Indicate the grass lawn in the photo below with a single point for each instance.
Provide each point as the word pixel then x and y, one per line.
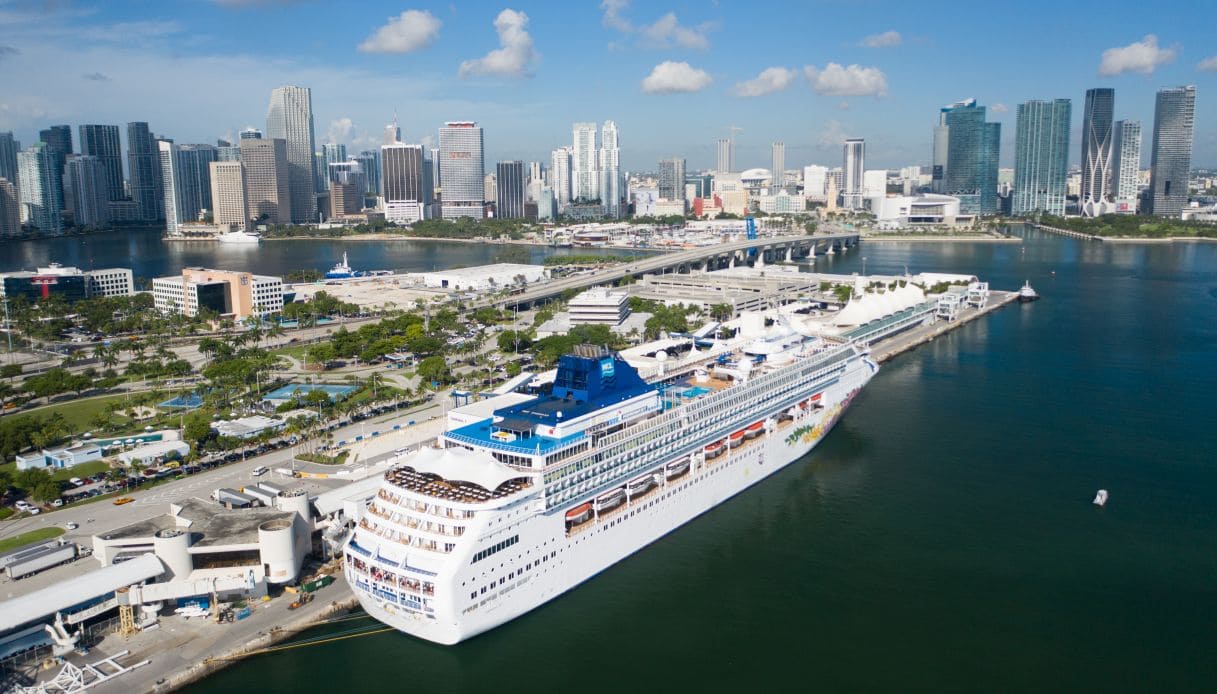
pixel 294 351
pixel 78 413
pixel 83 470
pixel 29 538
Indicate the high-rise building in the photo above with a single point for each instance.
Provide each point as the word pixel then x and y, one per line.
pixel 392 133
pixel 672 179
pixel 290 118
pixel 560 176
pixel 406 182
pixel 59 139
pixel 102 141
pixel 778 167
pixel 509 184
pixel 609 165
pixel 227 151
pixel 1171 157
pixel 1041 157
pixel 229 207
pixel 41 200
pixel 815 182
pixel 143 164
pixel 251 134
pixel 331 153
pixel 973 147
pixel 369 162
pixel 462 170
pixel 1125 165
pixel 267 194
pixel 855 165
pixel 585 182
pixel 726 156
pixel 85 191
pixel 1096 151
pixel 8 158
pixel 10 209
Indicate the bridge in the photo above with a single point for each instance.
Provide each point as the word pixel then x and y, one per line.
pixel 755 251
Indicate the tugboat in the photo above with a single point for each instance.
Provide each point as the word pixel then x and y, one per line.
pixel 342 270
pixel 1027 294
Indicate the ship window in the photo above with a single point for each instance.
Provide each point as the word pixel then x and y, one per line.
pixel 473 595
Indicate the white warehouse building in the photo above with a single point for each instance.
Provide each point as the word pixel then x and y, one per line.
pixel 904 210
pixel 485 277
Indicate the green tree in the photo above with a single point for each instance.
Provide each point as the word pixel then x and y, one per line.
pixel 29 478
pixel 197 429
pixel 434 370
pixel 45 491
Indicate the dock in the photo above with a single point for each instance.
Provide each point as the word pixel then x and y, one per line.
pixel 885 350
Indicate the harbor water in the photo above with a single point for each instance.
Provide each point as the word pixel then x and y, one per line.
pixel 942 538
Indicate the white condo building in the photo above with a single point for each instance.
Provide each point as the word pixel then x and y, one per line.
pixel 559 174
pixel 610 170
pixel 229 208
pixel 585 181
pixel 462 170
pixel 1125 165
pixel 855 164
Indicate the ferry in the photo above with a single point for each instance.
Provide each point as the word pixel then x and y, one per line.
pixel 239 237
pixel 497 517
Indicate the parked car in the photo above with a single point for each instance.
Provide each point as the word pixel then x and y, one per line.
pixel 57 503
pixel 76 482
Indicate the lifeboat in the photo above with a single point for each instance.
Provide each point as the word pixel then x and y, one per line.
pixel 610 500
pixel 754 430
pixel 579 514
pixel 642 485
pixel 715 449
pixel 735 439
pixel 676 468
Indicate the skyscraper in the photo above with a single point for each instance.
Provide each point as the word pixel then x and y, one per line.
pixel 331 153
pixel 672 179
pixel 855 165
pixel 8 158
pixel 462 170
pixel 85 190
pixel 290 118
pixel 778 167
pixel 509 184
pixel 560 178
pixel 227 151
pixel 392 133
pixel 41 200
pixel 405 179
pixel 1041 157
pixel 726 156
pixel 267 195
pixel 1125 165
pixel 1096 151
pixel 251 134
pixel 369 161
pixel 102 141
pixel 1171 157
pixel 585 182
pixel 59 139
pixel 973 147
pixel 143 163
pixel 10 209
pixel 229 207
pixel 609 164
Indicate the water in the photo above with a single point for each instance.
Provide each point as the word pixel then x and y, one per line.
pixel 148 256
pixel 941 538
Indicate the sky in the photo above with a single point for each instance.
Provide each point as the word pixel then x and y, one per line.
pixel 673 75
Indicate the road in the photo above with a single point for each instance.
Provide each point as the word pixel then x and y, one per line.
pixel 103 515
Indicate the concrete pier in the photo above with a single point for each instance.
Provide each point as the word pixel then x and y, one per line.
pixel 912 338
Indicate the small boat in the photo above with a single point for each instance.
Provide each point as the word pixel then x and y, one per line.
pixel 611 500
pixel 642 485
pixel 676 468
pixel 238 237
pixel 1100 498
pixel 735 439
pixel 342 270
pixel 754 430
pixel 715 449
pixel 579 514
pixel 1027 294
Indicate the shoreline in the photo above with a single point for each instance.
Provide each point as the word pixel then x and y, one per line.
pixel 1121 239
pixel 942 239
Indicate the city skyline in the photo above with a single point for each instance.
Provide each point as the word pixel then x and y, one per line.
pixel 440 63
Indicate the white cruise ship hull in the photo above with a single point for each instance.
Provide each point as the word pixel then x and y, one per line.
pixel 547 560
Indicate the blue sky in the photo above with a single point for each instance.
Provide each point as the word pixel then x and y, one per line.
pixel 673 75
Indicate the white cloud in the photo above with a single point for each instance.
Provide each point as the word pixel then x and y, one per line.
pixel 340 130
pixel 612 15
pixel 773 79
pixel 831 135
pixel 1142 56
pixel 855 80
pixel 515 54
pixel 412 30
pixel 670 77
pixel 999 108
pixel 1208 64
pixel 884 40
pixel 667 30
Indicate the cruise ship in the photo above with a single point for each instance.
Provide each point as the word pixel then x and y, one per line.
pixel 499 516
